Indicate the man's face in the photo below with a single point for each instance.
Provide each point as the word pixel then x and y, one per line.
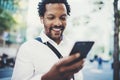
pixel 54 20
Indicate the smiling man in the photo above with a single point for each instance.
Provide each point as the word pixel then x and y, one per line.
pixel 36 61
pixel 54 21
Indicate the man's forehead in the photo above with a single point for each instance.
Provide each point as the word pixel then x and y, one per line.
pixel 56 8
pixel 55 5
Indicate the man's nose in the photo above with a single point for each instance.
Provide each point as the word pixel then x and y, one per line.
pixel 58 22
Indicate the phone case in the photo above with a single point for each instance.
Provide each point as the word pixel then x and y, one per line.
pixel 82 47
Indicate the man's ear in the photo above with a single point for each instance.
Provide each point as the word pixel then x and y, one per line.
pixel 41 19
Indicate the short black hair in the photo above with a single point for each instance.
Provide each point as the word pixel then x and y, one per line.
pixel 42 4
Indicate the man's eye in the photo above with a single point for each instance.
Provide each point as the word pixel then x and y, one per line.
pixel 63 18
pixel 50 18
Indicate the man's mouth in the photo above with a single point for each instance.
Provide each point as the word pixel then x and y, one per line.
pixel 57 28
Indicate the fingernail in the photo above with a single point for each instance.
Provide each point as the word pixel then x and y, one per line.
pixel 77 55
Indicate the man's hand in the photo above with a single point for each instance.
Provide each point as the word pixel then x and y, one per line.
pixel 63 70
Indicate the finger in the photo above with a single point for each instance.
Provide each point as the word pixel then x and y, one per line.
pixel 77 66
pixel 74 67
pixel 67 75
pixel 67 60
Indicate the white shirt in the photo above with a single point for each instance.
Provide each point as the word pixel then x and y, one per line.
pixel 35 59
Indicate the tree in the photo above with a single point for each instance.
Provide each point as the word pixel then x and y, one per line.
pixel 7 9
pixel 6 20
pixel 116 41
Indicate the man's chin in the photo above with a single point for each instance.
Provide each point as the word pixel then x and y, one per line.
pixel 56 37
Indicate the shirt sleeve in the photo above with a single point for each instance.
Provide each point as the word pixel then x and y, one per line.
pixel 36 77
pixel 79 76
pixel 24 68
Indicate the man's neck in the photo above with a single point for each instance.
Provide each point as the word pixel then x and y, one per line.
pixel 57 40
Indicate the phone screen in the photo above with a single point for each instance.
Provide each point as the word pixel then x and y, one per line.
pixel 83 47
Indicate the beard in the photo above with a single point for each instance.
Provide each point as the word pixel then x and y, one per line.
pixel 57 30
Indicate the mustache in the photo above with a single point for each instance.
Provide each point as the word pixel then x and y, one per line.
pixel 57 27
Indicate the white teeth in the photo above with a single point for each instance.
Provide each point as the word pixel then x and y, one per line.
pixel 56 29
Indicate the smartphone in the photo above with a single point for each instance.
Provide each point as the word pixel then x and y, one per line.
pixel 82 47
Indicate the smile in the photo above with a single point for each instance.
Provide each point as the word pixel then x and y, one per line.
pixel 57 29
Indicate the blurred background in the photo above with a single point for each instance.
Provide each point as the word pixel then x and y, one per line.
pixel 90 20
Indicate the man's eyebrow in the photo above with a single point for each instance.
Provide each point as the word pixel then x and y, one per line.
pixel 64 15
pixel 50 15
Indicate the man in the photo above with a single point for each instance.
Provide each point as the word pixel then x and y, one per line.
pixel 36 61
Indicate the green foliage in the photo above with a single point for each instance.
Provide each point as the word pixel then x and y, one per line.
pixel 7 9
pixel 10 5
pixel 6 20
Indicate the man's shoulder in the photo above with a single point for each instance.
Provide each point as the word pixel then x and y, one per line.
pixel 32 43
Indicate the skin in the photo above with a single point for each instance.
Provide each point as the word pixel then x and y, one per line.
pixel 56 15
